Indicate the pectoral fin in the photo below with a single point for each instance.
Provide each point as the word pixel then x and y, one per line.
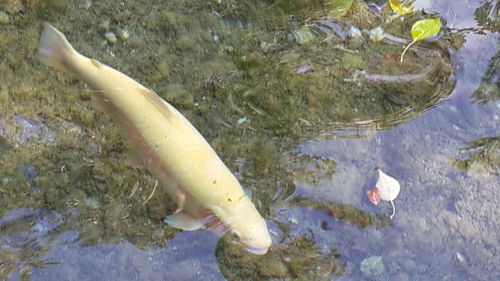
pixel 220 226
pixel 184 221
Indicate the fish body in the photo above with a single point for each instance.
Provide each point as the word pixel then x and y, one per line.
pixel 169 146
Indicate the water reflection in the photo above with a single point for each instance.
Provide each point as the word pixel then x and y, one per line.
pixel 26 236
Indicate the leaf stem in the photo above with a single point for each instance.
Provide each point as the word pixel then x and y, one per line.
pixel 406 49
pixel 393 210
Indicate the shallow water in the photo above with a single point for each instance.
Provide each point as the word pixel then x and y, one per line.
pixel 72 209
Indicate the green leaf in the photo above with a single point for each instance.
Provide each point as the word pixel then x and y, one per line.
pixel 423 29
pixel 402 7
pixel 339 8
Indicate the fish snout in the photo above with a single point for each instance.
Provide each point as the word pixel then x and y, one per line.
pixel 255 244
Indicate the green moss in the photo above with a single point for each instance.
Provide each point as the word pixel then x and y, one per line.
pixel 343 212
pixel 484 19
pixel 51 10
pixel 299 259
pixel 484 156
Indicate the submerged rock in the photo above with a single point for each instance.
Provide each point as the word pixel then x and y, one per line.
pixel 26 235
pixel 18 131
pixel 372 266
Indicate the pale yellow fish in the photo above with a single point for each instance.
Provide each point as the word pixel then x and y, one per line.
pixel 173 151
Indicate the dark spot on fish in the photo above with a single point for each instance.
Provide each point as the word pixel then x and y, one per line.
pixel 214 182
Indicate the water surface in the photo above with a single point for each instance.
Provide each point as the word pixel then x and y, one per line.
pixel 271 87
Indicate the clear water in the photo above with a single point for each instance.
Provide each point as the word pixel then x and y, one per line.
pixel 71 212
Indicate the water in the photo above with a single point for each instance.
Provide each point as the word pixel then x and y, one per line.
pixel 286 117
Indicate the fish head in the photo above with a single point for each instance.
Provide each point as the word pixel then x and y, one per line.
pixel 247 226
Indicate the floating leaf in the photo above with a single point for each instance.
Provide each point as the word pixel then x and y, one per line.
pixel 423 29
pixel 402 7
pixel 338 8
pixel 387 188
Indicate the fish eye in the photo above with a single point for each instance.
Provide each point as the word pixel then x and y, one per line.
pixel 236 234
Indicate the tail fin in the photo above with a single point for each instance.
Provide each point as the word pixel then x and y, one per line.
pixel 54 49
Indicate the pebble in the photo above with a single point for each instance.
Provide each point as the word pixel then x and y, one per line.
pixel 111 37
pixel 88 4
pixel 372 267
pixel 4 18
pixel 104 26
pixel 18 131
pixel 123 33
pixel 377 34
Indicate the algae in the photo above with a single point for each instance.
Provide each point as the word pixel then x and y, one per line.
pixel 298 259
pixel 343 212
pixel 483 156
pixel 234 62
pixel 489 90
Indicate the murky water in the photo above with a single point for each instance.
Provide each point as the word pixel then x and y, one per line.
pixel 300 110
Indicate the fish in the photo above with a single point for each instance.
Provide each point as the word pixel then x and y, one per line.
pixel 207 194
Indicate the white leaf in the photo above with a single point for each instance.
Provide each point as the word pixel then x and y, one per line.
pixel 388 187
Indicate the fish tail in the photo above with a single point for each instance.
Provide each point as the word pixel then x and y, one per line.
pixel 54 49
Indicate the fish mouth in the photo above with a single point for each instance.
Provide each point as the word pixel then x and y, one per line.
pixel 257 251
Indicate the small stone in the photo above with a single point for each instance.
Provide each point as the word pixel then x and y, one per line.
pixel 377 34
pixel 241 120
pixel 460 257
pixel 88 4
pixel 111 37
pixel 372 266
pixel 104 26
pixel 355 33
pixel 4 18
pixel 18 131
pixel 123 33
pixel 304 68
